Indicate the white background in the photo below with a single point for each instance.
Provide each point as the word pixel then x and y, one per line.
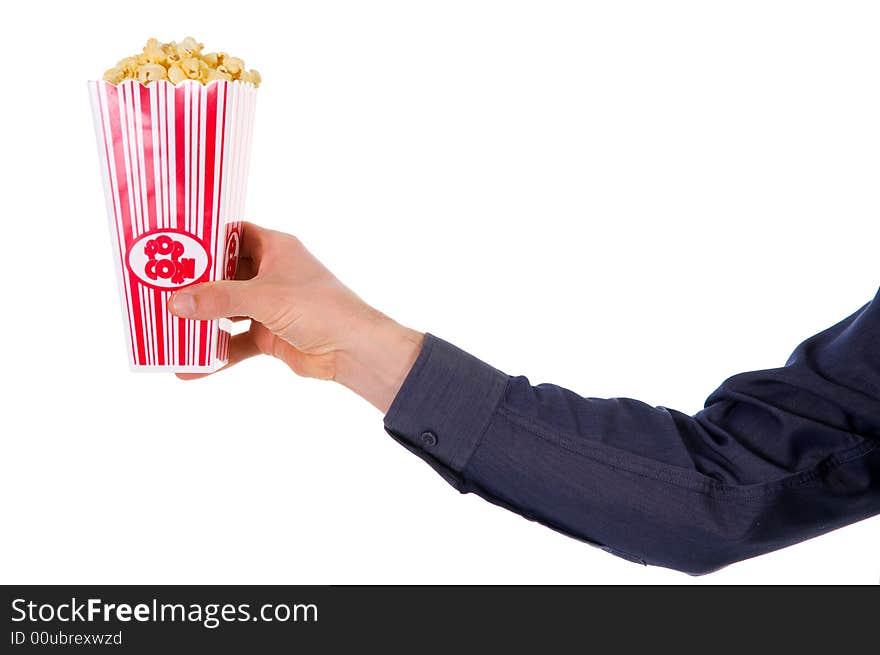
pixel 626 198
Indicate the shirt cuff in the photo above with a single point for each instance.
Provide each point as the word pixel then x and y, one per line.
pixel 445 405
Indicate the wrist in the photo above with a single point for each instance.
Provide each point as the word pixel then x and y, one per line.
pixel 376 360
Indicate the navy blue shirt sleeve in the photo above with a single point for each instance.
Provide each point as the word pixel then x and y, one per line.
pixel 775 457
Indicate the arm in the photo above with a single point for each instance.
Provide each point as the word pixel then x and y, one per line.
pixel 776 456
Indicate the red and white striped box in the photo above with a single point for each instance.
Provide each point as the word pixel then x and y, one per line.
pixel 174 161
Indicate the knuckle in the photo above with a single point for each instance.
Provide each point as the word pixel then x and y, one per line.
pixel 218 299
pixel 284 242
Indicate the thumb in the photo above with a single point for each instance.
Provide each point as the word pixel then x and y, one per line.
pixel 218 300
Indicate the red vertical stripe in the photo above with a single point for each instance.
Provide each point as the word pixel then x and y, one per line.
pixel 147 137
pixel 147 120
pixel 180 183
pixel 210 222
pixel 179 146
pixel 219 259
pixel 193 144
pixel 166 174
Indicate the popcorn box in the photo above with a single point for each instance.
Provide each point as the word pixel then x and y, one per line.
pixel 174 161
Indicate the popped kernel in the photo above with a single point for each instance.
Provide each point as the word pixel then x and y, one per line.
pixel 179 61
pixel 193 68
pixel 151 72
pixel 114 75
pixel 175 74
pixel 129 65
pixel 252 76
pixel 154 52
pixel 214 74
pixel 233 65
pixel 191 44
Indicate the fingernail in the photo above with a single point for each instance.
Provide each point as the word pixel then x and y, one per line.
pixel 183 304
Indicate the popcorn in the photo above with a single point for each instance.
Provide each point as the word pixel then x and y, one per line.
pixel 217 75
pixel 114 75
pixel 150 73
pixel 252 76
pixel 232 65
pixel 175 74
pixel 181 61
pixel 129 66
pixel 189 47
pixel 192 68
pixel 154 52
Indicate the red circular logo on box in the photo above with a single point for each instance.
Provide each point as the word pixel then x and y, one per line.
pixel 233 246
pixel 168 259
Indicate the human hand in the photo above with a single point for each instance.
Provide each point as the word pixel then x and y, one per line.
pixel 303 315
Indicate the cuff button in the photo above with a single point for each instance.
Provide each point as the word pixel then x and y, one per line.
pixel 429 439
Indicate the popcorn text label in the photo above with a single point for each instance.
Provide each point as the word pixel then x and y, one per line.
pixel 168 259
